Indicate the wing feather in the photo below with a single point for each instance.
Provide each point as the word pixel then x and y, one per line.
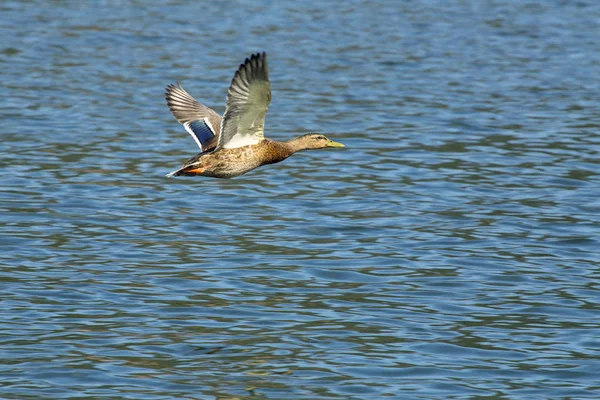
pixel 248 99
pixel 198 120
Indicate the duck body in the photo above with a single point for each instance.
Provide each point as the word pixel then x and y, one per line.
pixel 235 144
pixel 229 163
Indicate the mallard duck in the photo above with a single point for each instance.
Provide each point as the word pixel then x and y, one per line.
pixel 235 144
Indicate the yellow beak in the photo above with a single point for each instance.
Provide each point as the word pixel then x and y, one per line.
pixel 331 143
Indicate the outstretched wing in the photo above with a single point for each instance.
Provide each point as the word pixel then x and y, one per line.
pixel 248 98
pixel 200 121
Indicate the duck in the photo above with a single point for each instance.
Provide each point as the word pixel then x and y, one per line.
pixel 235 144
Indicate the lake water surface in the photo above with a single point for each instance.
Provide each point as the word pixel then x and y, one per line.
pixel 450 251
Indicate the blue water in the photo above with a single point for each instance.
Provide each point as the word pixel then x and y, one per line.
pixel 449 251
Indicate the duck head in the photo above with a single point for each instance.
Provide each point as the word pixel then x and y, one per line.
pixel 313 141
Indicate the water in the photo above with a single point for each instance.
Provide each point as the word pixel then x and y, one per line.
pixel 450 251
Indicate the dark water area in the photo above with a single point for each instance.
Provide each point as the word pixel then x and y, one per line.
pixel 450 251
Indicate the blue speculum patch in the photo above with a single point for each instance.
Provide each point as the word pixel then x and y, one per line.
pixel 202 131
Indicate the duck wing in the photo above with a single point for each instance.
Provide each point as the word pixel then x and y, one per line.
pixel 248 98
pixel 200 121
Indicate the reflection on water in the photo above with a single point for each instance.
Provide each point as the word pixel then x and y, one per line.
pixel 448 251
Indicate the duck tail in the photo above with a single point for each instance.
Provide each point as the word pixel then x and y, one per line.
pixel 177 172
pixel 187 170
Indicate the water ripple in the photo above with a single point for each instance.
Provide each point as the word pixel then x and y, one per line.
pixel 448 251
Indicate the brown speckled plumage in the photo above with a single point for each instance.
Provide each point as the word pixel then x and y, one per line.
pixel 236 144
pixel 229 163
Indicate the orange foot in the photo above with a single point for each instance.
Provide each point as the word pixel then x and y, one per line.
pixel 196 171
